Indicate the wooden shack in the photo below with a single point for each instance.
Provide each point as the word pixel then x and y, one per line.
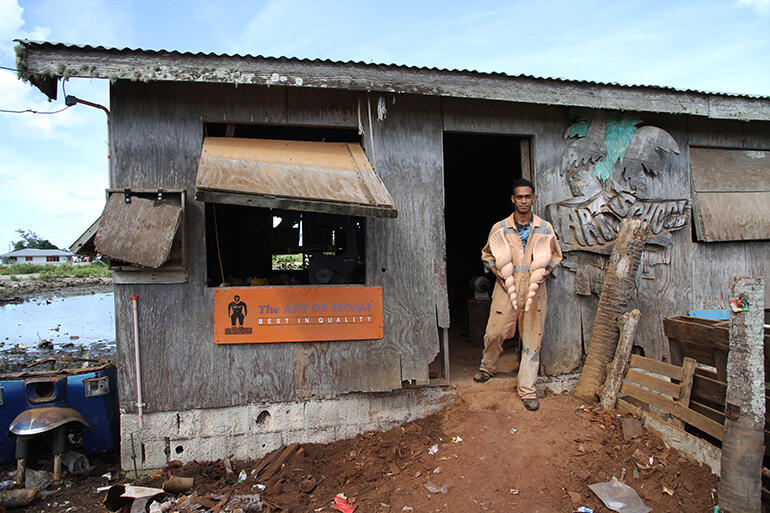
pixel 432 154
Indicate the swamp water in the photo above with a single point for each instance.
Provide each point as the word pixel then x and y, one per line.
pixel 57 325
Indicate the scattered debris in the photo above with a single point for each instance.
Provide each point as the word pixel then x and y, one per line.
pixel 178 484
pixel 632 428
pixel 456 439
pixel 17 498
pixel 76 463
pixel 307 484
pixel 433 449
pixel 619 497
pixel 342 504
pixel 435 489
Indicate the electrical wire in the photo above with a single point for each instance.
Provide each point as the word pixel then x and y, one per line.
pixel 34 111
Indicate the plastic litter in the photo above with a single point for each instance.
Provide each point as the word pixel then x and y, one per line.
pixel 342 504
pixel 435 489
pixel 6 484
pixel 513 431
pixel 37 479
pixel 583 509
pixel 76 463
pixel 260 487
pixel 433 449
pixel 242 476
pixel 456 439
pixel 619 497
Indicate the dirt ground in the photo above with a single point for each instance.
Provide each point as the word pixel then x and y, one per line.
pixel 492 456
pixel 29 286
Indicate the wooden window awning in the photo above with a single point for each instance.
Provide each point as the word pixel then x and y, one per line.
pixel 334 178
pixel 731 192
pixel 141 232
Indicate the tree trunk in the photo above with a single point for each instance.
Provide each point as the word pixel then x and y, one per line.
pixel 740 485
pixel 616 370
pixel 616 292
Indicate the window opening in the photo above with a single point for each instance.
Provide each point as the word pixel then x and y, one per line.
pixel 252 246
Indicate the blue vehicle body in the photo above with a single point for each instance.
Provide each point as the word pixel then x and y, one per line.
pixel 90 391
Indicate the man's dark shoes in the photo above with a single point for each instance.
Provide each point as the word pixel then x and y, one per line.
pixel 481 376
pixel 531 404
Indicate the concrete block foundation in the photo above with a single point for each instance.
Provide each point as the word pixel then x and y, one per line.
pixel 253 430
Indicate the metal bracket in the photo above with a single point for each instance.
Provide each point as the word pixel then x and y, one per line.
pixel 127 195
pixel 160 194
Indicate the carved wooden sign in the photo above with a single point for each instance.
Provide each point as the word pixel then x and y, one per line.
pixel 608 167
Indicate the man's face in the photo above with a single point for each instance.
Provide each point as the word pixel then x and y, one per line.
pixel 523 199
pixel 237 299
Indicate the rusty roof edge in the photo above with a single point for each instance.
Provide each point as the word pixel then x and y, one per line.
pixel 65 61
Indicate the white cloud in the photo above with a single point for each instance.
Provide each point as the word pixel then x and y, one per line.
pixel 758 6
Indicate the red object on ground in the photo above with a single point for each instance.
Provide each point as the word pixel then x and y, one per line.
pixel 344 505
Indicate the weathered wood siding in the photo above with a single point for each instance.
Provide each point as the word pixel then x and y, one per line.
pixel 158 131
pixel 681 277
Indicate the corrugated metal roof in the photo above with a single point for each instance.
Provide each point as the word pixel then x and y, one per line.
pixel 384 66
pixel 36 252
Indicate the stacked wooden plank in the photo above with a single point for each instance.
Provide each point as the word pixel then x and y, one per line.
pixel 666 388
pixel 707 341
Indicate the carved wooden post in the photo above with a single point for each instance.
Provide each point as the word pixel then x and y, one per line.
pixel 616 291
pixel 616 370
pixel 740 485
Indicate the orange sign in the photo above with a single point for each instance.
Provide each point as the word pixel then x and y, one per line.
pixel 297 314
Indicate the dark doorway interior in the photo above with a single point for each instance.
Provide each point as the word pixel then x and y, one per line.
pixel 478 173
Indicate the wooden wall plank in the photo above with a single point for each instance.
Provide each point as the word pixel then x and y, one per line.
pixel 406 255
pixel 664 387
pixel 158 132
pixel 721 170
pixel 658 367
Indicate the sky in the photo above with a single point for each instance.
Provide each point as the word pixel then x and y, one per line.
pixel 53 167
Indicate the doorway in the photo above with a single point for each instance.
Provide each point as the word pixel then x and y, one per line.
pixel 479 170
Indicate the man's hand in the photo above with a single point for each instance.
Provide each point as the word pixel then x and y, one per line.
pixel 548 271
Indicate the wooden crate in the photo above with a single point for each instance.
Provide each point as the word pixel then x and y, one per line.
pixel 707 341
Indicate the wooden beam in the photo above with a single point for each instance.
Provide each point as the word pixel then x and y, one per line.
pixel 144 65
pixel 617 367
pixel 740 485
pixel 655 383
pixel 688 369
pixel 667 405
pixel 253 200
pixel 658 367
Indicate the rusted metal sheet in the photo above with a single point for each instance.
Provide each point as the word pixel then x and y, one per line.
pixel 720 170
pixel 297 173
pixel 40 420
pixel 140 232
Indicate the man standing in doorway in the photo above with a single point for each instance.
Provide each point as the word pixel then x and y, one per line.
pixel 521 230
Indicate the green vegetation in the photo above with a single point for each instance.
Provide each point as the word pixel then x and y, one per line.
pixel 287 262
pixel 57 271
pixel 31 240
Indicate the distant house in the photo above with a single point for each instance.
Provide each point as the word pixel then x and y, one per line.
pixel 37 256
